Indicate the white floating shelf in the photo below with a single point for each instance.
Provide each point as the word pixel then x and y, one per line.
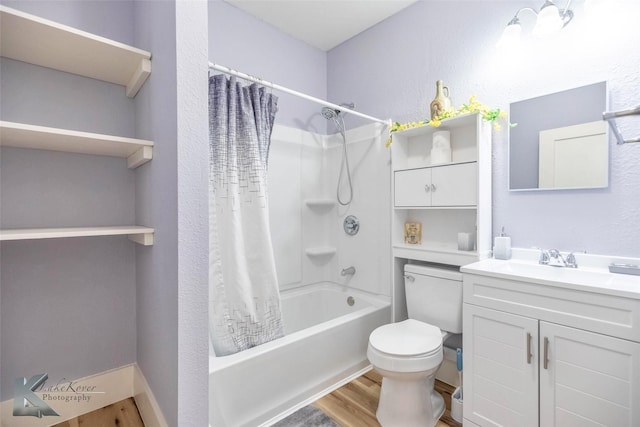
pixel 320 251
pixel 38 41
pixel 320 203
pixel 141 235
pixel 136 151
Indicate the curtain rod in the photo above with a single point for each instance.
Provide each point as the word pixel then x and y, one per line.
pixel 274 86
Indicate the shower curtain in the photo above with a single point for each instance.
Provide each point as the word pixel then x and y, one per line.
pixel 245 301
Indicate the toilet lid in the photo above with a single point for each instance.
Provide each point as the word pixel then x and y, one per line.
pixel 407 338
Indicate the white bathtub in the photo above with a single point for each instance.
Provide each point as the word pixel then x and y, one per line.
pixel 326 343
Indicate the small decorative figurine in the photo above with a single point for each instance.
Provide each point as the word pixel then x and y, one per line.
pixel 413 233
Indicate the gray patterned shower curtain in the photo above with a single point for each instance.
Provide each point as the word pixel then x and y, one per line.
pixel 244 297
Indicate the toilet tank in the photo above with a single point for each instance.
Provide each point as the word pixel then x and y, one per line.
pixel 434 296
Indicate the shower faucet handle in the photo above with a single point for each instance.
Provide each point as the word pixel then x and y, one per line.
pixel 348 271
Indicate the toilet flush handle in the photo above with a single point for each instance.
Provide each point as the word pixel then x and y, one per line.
pixel 409 278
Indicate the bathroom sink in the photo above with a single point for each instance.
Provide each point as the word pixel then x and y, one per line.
pixel 578 276
pixel 592 273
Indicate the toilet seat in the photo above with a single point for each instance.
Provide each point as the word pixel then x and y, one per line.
pixel 407 346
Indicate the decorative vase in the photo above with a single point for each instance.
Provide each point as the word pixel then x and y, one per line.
pixel 441 102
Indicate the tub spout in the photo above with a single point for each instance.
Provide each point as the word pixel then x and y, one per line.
pixel 349 271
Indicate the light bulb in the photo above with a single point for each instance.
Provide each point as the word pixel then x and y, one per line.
pixel 510 38
pixel 549 21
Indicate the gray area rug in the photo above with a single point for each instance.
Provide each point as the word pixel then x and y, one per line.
pixel 307 417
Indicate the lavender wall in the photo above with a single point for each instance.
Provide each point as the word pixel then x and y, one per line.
pixel 171 196
pixel 157 207
pixel 242 42
pixel 391 71
pixel 193 213
pixel 68 305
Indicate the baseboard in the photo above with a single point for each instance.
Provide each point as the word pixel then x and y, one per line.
pixel 106 388
pixel 145 400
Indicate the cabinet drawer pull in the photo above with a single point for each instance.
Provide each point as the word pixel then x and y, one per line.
pixel 546 352
pixel 433 187
pixel 529 355
pixel 427 188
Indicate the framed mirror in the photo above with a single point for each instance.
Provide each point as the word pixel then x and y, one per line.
pixel 560 141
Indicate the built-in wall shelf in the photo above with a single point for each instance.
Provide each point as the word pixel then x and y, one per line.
pixel 20 135
pixel 38 41
pixel 320 251
pixel 138 234
pixel 320 203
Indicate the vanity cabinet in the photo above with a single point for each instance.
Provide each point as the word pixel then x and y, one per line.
pixel 530 360
pixel 444 186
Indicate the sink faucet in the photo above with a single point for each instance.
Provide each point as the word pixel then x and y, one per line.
pixel 348 271
pixel 554 258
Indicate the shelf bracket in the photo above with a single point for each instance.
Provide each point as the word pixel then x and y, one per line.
pixel 139 77
pixel 140 157
pixel 144 239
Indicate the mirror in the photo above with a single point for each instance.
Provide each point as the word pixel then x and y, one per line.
pixel 560 141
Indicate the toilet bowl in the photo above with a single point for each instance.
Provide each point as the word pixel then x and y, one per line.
pixel 408 354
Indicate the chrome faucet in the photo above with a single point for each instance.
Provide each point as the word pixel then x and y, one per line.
pixel 348 271
pixel 554 258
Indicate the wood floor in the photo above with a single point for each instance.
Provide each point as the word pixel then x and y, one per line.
pixel 355 404
pixel 352 405
pixel 120 414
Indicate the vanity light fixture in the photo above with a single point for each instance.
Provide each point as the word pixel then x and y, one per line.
pixel 550 20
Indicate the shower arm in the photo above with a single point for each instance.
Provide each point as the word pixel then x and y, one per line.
pixel 274 86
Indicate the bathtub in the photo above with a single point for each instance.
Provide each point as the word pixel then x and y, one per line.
pixel 325 345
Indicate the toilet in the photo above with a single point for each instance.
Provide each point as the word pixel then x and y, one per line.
pixel 407 354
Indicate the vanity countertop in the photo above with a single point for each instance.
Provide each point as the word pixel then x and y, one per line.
pixel 594 276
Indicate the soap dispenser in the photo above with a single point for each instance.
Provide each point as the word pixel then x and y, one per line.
pixel 502 246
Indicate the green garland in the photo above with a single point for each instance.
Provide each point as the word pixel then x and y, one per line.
pixel 474 106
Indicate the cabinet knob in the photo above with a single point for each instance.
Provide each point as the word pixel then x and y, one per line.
pixel 433 187
pixel 427 188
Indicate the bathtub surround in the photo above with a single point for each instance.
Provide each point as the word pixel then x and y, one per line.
pixel 306 222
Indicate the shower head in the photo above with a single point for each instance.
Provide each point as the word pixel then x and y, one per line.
pixel 330 113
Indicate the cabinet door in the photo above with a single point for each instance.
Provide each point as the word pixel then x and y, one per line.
pixel 589 380
pixel 455 185
pixel 500 368
pixel 413 187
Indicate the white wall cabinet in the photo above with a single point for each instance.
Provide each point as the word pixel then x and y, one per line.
pixel 527 370
pixel 439 186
